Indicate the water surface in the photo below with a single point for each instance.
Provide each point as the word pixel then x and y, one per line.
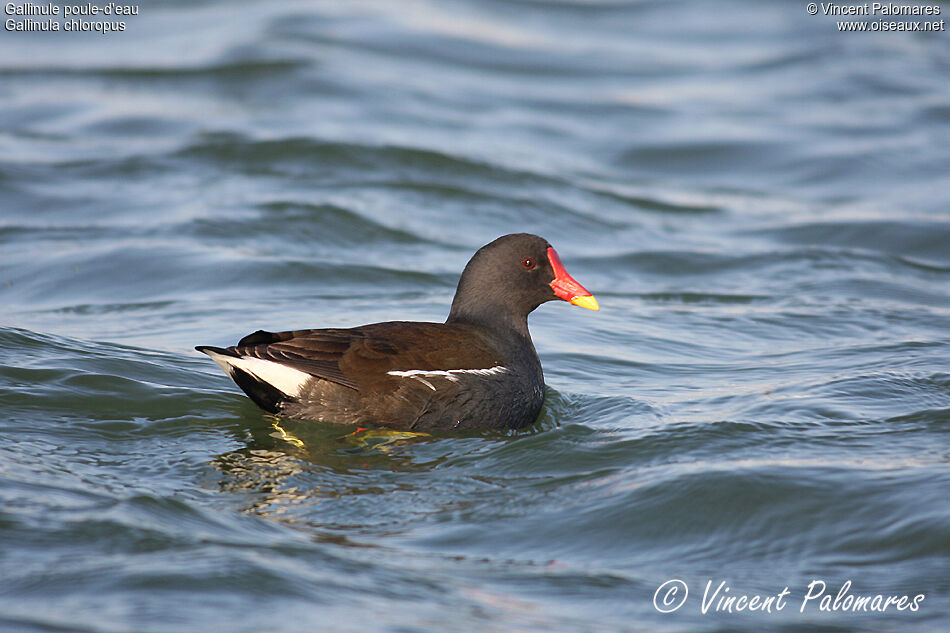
pixel 759 203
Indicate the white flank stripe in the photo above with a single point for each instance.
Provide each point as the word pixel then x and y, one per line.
pixel 449 374
pixel 286 379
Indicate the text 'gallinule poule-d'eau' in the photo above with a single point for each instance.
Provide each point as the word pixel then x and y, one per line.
pixel 479 369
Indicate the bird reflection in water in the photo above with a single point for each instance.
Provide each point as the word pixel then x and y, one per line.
pixel 287 467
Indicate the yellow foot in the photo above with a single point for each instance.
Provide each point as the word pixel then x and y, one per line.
pixel 382 439
pixel 286 435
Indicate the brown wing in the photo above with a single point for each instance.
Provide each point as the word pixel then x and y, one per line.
pixel 360 357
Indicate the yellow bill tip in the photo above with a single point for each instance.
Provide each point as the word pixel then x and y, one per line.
pixel 587 301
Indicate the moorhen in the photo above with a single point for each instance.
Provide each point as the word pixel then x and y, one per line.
pixel 477 370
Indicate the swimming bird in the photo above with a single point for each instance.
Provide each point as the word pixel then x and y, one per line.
pixel 479 369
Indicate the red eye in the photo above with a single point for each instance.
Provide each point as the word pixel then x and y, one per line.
pixel 528 263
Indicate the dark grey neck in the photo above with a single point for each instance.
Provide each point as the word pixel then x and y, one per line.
pixel 494 318
pixel 510 335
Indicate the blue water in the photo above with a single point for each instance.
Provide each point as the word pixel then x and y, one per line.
pixel 760 203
